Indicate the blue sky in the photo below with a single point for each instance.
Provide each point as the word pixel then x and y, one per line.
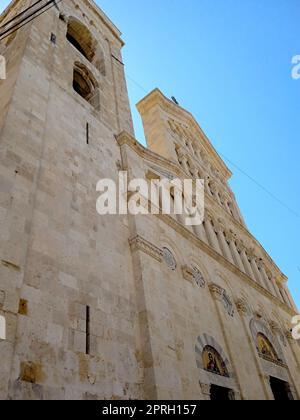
pixel 229 63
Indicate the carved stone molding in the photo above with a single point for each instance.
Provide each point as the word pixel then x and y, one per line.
pixel 221 295
pixel 275 328
pixel 169 259
pixel 193 275
pixel 205 389
pixel 183 231
pixel 242 307
pixel 289 336
pixel 216 291
pixel 140 244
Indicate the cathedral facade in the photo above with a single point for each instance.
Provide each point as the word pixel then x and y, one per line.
pixel 122 307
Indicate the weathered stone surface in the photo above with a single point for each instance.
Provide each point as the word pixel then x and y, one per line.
pixel 94 307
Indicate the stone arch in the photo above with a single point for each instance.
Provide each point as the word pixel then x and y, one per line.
pixel 169 244
pixel 194 261
pixel 205 341
pixel 243 302
pixel 265 347
pixel 224 290
pixel 82 39
pixel 257 327
pixel 85 84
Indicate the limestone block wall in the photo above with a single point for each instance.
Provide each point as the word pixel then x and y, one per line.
pixel 57 256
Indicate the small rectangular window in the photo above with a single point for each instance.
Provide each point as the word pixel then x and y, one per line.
pixel 53 38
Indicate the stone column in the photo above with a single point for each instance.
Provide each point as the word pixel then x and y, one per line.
pixel 226 205
pixel 254 267
pixel 276 288
pixel 234 251
pixel 200 232
pixel 185 165
pixel 273 284
pixel 205 388
pixel 215 192
pixel 194 170
pixel 264 274
pixel 211 234
pixel 223 244
pixel 245 260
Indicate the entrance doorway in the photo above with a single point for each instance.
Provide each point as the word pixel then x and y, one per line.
pixel 281 390
pixel 218 393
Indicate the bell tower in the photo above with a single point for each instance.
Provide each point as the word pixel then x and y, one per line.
pixel 62 103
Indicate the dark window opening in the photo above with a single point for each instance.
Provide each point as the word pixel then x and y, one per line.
pixel 81 38
pixel 281 390
pixel 81 86
pixel 86 86
pixel 218 393
pixel 77 45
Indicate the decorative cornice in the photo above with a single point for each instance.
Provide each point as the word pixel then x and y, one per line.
pixel 141 244
pixel 186 233
pixel 125 138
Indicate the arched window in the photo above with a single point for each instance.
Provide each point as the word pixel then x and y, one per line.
pixel 85 85
pixel 81 38
pixel 213 362
pixel 2 328
pixel 265 348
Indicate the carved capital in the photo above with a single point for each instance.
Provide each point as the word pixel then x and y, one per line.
pixel 289 336
pixel 251 253
pixel 216 291
pixel 275 328
pixel 260 263
pixel 243 247
pixel 181 153
pixel 243 307
pixel 221 295
pixel 231 236
pixel 269 273
pixel 205 388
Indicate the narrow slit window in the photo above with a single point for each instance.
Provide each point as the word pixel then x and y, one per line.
pixel 87 133
pixel 88 332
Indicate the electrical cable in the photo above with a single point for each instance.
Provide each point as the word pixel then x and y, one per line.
pixel 34 17
pixel 8 31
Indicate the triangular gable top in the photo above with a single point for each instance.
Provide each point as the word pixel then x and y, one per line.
pixel 156 97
